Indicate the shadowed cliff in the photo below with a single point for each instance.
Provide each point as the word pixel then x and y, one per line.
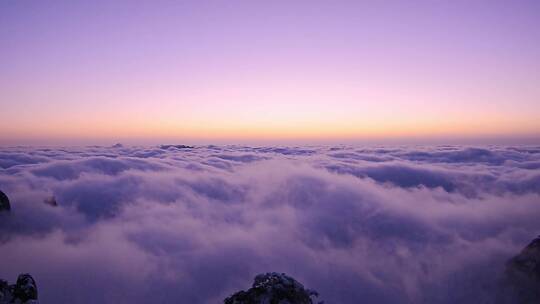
pixel 522 276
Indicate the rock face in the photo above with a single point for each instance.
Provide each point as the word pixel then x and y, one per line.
pixel 4 202
pixel 22 292
pixel 273 288
pixel 51 201
pixel 523 274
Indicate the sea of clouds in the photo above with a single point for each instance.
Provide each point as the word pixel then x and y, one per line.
pixel 402 224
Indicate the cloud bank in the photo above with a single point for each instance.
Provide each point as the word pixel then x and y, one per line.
pixel 408 224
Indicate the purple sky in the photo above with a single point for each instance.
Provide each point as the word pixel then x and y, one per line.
pixel 240 71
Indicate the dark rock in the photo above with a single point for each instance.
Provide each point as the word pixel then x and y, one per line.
pixel 527 262
pixel 25 288
pixel 273 288
pixel 168 147
pixel 522 275
pixel 51 201
pixel 4 202
pixel 5 292
pixel 24 291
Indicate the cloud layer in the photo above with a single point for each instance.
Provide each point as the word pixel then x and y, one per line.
pixel 193 225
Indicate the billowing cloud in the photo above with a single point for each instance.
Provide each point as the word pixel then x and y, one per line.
pixel 194 225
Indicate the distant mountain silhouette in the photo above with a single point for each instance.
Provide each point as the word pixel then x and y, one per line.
pixel 168 147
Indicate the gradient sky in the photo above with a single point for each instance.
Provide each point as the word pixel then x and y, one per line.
pixel 240 71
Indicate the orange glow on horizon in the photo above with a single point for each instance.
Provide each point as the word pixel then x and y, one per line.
pixel 285 130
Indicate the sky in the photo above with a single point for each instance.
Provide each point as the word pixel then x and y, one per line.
pixel 254 71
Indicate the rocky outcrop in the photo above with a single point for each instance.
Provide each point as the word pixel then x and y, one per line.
pixel 522 275
pixel 22 292
pixel 4 202
pixel 51 201
pixel 273 288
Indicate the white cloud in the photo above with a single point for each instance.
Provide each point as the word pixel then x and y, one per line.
pixel 385 225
